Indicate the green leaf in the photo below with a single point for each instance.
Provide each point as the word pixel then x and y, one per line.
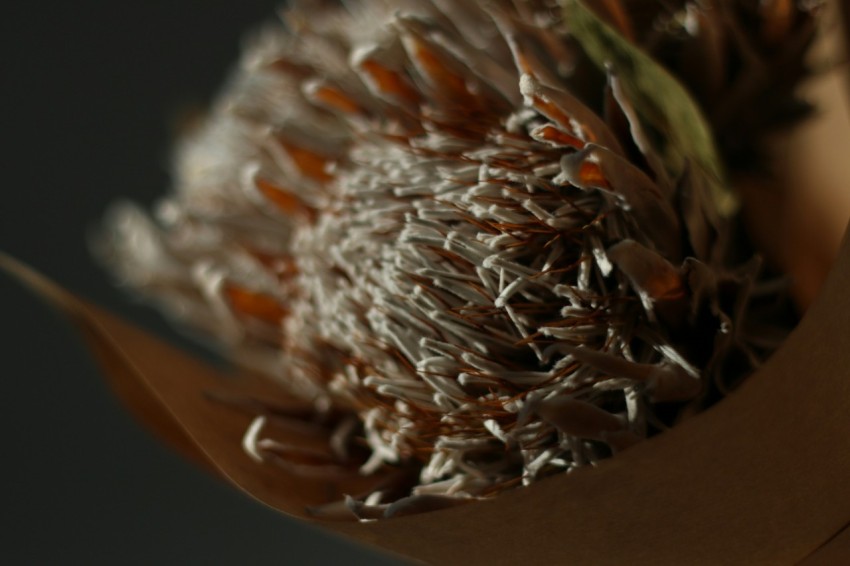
pixel 661 102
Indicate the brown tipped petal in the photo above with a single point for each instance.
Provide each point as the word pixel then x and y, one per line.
pixel 639 194
pixel 664 381
pixel 569 113
pixel 651 275
pixel 578 418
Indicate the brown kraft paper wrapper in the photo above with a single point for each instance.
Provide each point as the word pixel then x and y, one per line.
pixel 759 478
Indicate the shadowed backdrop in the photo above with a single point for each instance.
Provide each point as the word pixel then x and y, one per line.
pixel 91 95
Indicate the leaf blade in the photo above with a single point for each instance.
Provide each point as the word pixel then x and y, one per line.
pixel 662 103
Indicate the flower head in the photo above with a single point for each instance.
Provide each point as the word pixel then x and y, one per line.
pixel 443 219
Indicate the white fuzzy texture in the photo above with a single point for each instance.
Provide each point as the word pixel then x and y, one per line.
pixel 444 271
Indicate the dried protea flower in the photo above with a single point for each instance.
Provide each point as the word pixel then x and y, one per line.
pixel 470 235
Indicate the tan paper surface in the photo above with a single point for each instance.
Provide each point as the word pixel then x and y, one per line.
pixel 760 478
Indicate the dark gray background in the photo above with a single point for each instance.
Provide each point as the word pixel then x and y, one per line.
pixel 88 91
